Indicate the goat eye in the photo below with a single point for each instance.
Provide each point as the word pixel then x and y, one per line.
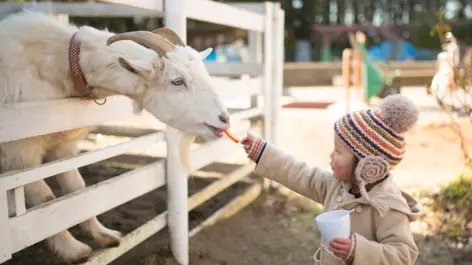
pixel 178 82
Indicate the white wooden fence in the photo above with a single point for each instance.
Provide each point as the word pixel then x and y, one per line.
pixel 264 22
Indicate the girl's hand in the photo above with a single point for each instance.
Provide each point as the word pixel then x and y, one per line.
pixel 247 142
pixel 253 146
pixel 340 247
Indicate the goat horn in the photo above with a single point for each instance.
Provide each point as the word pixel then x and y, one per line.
pixel 145 38
pixel 170 35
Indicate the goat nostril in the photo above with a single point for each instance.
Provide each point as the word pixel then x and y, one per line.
pixel 224 118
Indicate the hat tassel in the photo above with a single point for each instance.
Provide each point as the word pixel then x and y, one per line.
pixel 380 206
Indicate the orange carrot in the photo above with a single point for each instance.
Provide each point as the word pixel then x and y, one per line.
pixel 231 136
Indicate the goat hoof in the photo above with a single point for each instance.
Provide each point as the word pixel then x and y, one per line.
pixel 68 248
pixel 104 236
pixel 109 238
pixel 80 260
pixel 77 254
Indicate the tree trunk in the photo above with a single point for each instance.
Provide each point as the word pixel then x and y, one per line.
pixel 411 11
pixel 326 12
pixel 461 15
pixel 355 9
pixel 341 5
pixel 369 11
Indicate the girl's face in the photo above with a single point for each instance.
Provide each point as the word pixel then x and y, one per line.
pixel 342 161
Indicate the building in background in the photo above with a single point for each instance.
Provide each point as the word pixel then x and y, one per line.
pixel 315 30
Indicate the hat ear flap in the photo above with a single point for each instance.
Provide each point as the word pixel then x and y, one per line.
pixel 371 169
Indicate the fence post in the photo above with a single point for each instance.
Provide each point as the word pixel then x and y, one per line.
pixel 255 56
pixel 177 198
pixel 268 68
pixel 276 74
pixel 278 60
pixel 5 246
pixel 177 177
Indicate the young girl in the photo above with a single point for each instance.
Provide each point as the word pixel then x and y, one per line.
pixel 367 145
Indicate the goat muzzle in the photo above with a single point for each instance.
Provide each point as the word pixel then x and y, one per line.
pixel 147 39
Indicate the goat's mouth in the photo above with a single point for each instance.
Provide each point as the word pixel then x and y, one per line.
pixel 216 131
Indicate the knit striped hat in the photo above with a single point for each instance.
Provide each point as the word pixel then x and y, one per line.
pixel 379 132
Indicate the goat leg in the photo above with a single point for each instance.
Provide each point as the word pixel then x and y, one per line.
pixel 72 181
pixel 64 244
pixel 23 154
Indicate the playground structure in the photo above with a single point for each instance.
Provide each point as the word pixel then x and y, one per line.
pixel 265 25
pixel 370 75
pixel 367 77
pixel 351 61
pixel 353 64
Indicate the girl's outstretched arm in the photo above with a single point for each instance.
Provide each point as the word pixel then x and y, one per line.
pixel 310 181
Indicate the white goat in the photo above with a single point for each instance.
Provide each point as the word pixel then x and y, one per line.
pixel 155 69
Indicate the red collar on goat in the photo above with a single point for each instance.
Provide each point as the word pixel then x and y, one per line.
pixel 74 66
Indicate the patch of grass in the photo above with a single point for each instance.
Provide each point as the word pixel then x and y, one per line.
pixel 451 209
pixel 309 215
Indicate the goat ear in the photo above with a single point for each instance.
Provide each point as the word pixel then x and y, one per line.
pixel 204 54
pixel 136 67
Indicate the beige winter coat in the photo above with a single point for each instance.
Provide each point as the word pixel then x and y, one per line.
pixel 382 241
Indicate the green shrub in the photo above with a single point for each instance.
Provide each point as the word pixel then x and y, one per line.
pixel 456 196
pixel 452 209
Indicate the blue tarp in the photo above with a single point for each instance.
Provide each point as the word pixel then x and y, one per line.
pixel 406 51
pixel 212 56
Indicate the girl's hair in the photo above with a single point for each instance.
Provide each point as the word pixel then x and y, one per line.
pixel 354 166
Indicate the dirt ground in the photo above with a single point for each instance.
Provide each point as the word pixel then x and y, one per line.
pixel 278 227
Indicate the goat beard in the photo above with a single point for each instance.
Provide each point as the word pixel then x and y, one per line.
pixel 179 148
pixel 185 143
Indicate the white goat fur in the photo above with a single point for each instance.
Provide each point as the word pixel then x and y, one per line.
pixel 34 67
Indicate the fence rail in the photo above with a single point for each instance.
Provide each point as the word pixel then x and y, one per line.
pixel 264 23
pixel 220 13
pixel 86 9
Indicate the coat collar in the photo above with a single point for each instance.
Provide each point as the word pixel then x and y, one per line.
pixel 380 187
pixel 386 191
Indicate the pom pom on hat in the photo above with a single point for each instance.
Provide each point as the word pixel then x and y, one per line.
pixel 399 113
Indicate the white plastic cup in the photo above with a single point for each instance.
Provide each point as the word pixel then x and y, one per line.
pixel 334 224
